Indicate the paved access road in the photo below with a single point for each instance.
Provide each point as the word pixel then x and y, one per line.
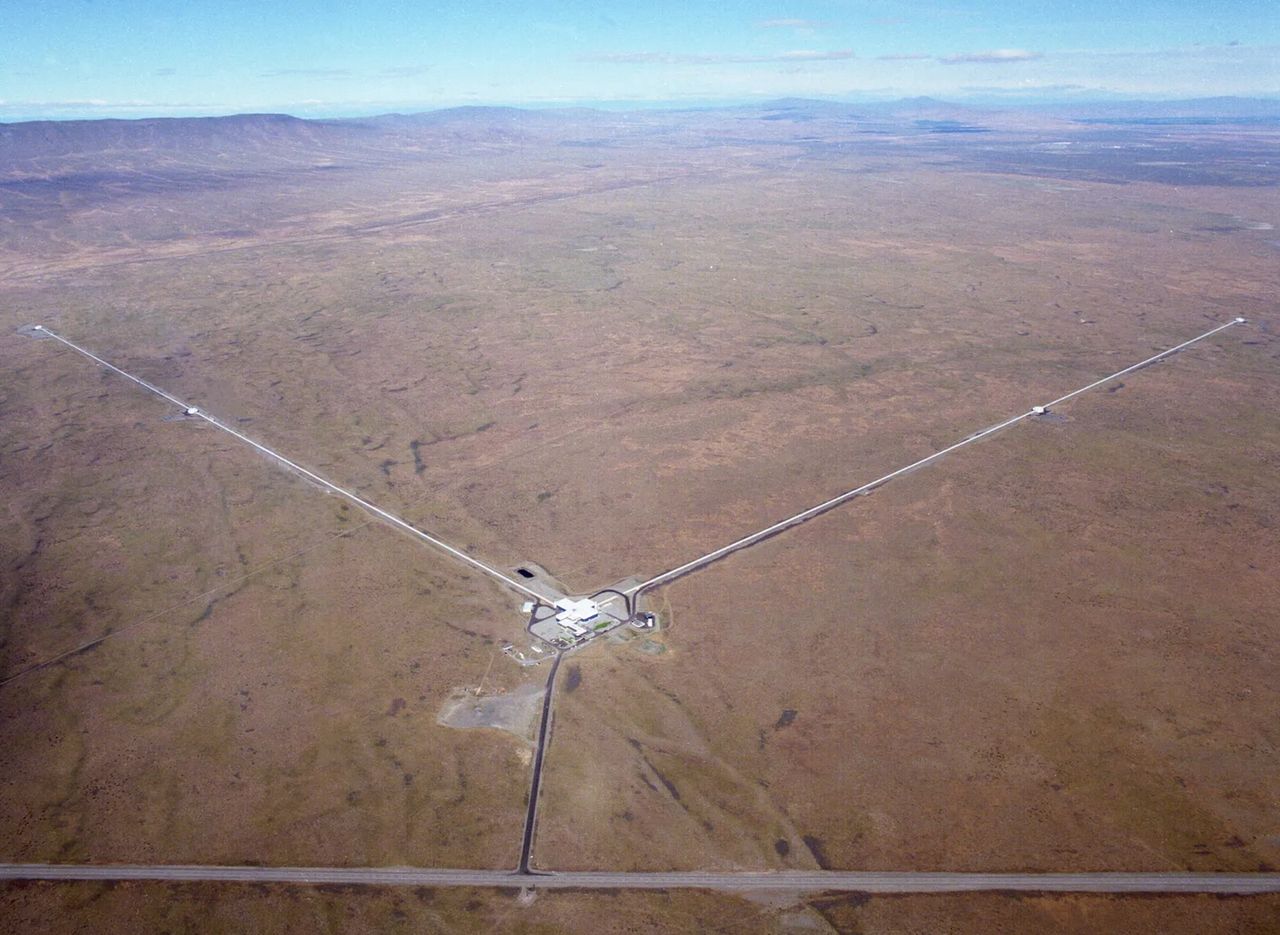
pixel 535 782
pixel 790 881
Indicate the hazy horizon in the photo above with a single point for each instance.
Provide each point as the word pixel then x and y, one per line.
pixel 69 59
pixel 1083 106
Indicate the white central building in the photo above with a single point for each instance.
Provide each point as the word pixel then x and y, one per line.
pixel 575 614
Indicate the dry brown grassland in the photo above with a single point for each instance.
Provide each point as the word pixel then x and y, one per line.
pixel 1051 652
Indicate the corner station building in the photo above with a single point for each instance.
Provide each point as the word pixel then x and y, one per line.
pixel 575 614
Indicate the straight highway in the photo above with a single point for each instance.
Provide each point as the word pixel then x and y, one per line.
pixel 794 881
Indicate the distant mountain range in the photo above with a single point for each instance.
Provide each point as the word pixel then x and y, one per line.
pixel 1209 107
pixel 104 130
pixel 116 188
pixel 263 142
pixel 45 138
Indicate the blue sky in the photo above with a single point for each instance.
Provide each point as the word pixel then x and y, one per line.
pixel 64 58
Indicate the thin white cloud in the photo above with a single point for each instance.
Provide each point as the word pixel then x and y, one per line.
pixel 1230 51
pixel 904 57
pixel 98 107
pixel 1023 88
pixel 308 73
pixel 808 24
pixel 676 58
pixel 991 57
pixel 405 71
pixel 807 55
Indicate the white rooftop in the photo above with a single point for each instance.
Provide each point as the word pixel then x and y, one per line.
pixel 571 611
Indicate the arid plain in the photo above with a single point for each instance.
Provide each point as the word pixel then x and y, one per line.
pixel 608 344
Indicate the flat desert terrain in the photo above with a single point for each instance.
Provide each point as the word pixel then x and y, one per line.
pixel 608 344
